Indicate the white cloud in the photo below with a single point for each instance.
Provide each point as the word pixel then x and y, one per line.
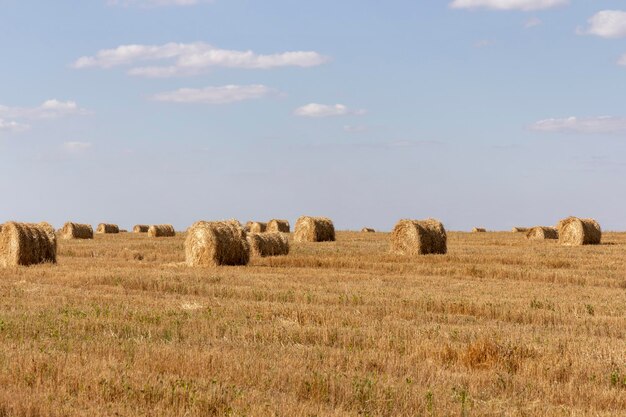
pixel 622 61
pixel 156 3
pixel 49 109
pixel 532 22
pixel 354 129
pixel 76 147
pixel 484 43
pixel 525 5
pixel 323 110
pixel 192 58
pixel 12 126
pixel 607 24
pixel 591 125
pixel 215 95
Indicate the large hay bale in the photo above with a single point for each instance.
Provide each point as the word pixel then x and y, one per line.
pixel 216 243
pixel 141 228
pixel 479 230
pixel 107 228
pixel 314 229
pixel 419 237
pixel 368 230
pixel 520 229
pixel 161 230
pixel 542 233
pixel 268 244
pixel 76 231
pixel 276 225
pixel 27 244
pixel 575 232
pixel 255 227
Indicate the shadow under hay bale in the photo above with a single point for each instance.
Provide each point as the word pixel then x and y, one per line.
pixel 27 244
pixel 255 227
pixel 107 228
pixel 276 225
pixel 419 237
pixel 268 244
pixel 141 228
pixel 216 243
pixel 479 230
pixel 542 233
pixel 520 229
pixel 367 230
pixel 76 231
pixel 314 229
pixel 577 232
pixel 161 230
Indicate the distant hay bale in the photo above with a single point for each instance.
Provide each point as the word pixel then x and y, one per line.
pixel 268 244
pixel 575 232
pixel 520 229
pixel 314 229
pixel 76 231
pixel 161 230
pixel 27 244
pixel 367 230
pixel 140 228
pixel 255 227
pixel 276 225
pixel 107 228
pixel 479 230
pixel 216 243
pixel 542 233
pixel 419 237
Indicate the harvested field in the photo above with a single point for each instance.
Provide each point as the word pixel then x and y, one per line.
pixel 500 326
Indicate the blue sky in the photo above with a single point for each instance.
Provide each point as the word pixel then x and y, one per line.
pixel 488 113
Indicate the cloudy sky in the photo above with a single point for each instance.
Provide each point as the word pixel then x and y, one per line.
pixel 486 113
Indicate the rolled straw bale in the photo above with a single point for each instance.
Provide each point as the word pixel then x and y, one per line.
pixel 479 230
pixel 276 225
pixel 27 244
pixel 268 244
pixel 575 232
pixel 520 229
pixel 368 230
pixel 419 237
pixel 161 230
pixel 542 233
pixel 314 229
pixel 140 228
pixel 107 228
pixel 255 227
pixel 76 231
pixel 216 243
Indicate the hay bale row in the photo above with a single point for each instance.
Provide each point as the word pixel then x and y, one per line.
pixel 268 244
pixel 368 230
pixel 107 228
pixel 255 227
pixel 276 225
pixel 161 230
pixel 216 243
pixel 141 228
pixel 76 231
pixel 577 232
pixel 419 237
pixel 27 244
pixel 314 229
pixel 520 230
pixel 479 230
pixel 542 233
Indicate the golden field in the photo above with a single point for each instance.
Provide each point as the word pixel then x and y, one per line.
pixel 500 326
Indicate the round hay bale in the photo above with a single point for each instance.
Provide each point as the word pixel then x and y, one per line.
pixel 255 227
pixel 276 225
pixel 268 244
pixel 140 228
pixel 368 230
pixel 520 230
pixel 479 230
pixel 576 232
pixel 419 237
pixel 216 243
pixel 107 228
pixel 161 230
pixel 27 244
pixel 314 229
pixel 542 233
pixel 76 231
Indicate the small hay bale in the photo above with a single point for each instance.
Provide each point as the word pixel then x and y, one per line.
pixel 268 244
pixel 27 244
pixel 140 228
pixel 314 229
pixel 368 230
pixel 419 237
pixel 479 230
pixel 255 227
pixel 520 229
pixel 542 233
pixel 76 231
pixel 161 230
pixel 576 232
pixel 107 228
pixel 276 225
pixel 216 243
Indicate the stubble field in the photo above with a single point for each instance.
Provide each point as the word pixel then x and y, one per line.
pixel 498 327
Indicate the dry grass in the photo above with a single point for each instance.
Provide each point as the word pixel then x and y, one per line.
pixel 368 230
pixel 500 326
pixel 520 229
pixel 479 230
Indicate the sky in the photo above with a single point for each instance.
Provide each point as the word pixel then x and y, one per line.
pixel 491 113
